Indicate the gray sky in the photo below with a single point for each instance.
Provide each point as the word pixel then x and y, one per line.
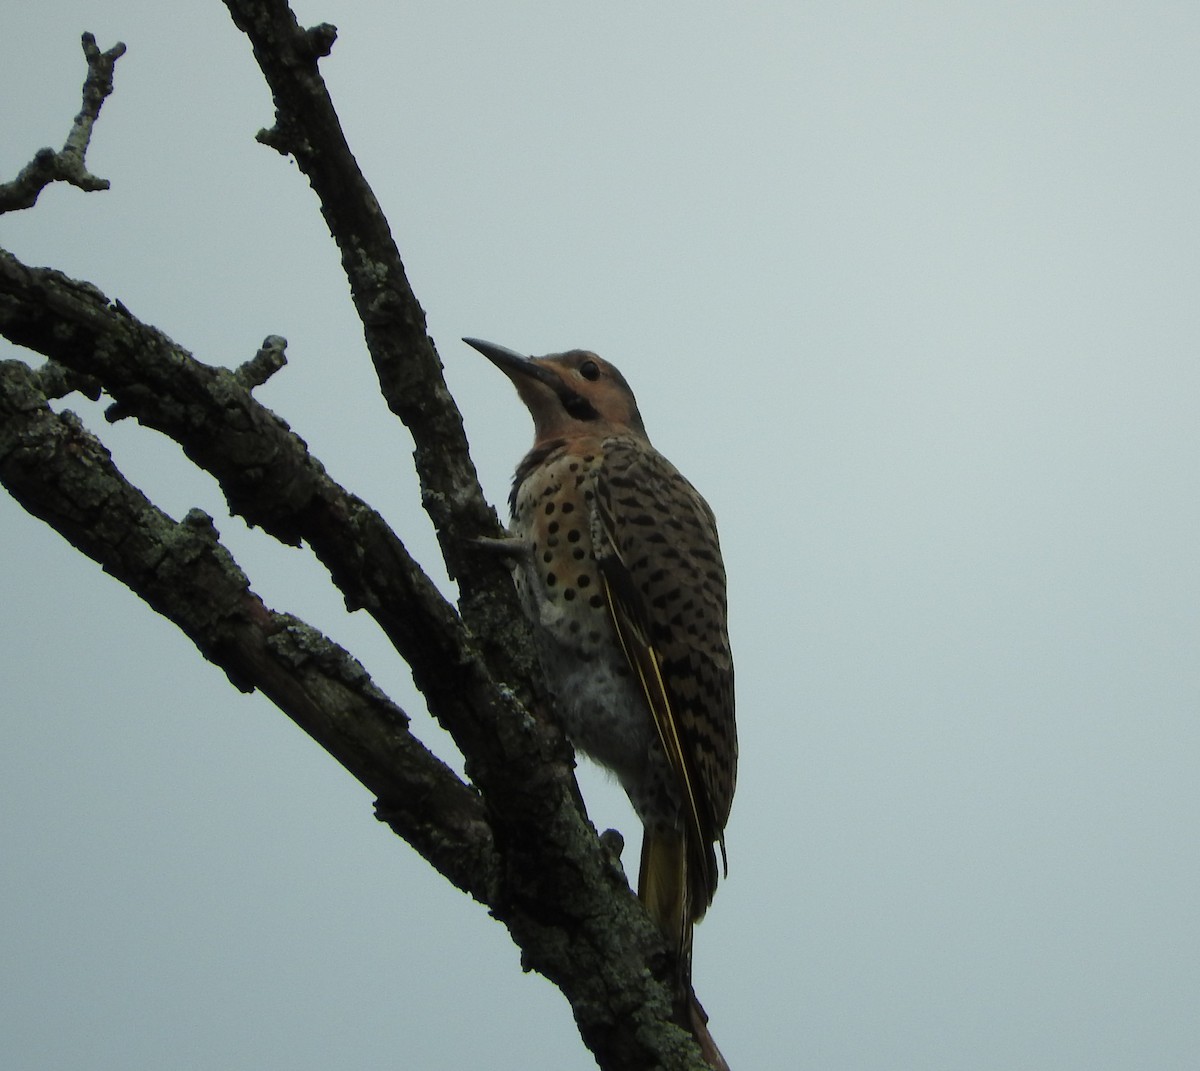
pixel 910 293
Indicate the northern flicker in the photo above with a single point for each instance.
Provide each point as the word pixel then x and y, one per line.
pixel 620 571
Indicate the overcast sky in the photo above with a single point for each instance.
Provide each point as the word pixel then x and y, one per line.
pixel 909 291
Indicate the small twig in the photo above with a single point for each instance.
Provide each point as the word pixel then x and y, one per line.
pixel 269 359
pixel 68 164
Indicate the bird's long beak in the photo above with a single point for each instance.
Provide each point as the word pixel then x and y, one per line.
pixel 513 364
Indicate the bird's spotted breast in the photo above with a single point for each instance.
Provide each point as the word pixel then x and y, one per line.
pixel 551 511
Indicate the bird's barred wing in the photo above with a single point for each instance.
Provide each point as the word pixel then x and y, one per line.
pixel 661 565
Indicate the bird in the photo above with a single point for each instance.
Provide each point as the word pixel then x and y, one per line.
pixel 618 566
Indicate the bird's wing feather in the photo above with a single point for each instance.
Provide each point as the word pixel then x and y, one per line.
pixel 640 652
pixel 660 562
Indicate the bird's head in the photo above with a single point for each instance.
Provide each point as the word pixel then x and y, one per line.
pixel 569 394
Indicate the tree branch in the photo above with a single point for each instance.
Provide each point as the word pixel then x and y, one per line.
pixel 406 361
pixel 271 480
pixel 62 474
pixel 523 845
pixel 68 164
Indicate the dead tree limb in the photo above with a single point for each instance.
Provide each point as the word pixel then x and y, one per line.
pixel 68 163
pixel 516 836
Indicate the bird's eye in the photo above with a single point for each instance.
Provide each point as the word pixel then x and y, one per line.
pixel 590 370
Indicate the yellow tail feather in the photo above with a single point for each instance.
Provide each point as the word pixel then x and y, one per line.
pixel 663 887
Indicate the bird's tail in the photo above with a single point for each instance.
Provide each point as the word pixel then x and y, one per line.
pixel 668 890
pixel 664 888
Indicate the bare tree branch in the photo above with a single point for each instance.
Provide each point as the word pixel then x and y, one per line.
pixel 517 838
pixel 61 473
pixel 406 361
pixel 68 164
pixel 265 470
